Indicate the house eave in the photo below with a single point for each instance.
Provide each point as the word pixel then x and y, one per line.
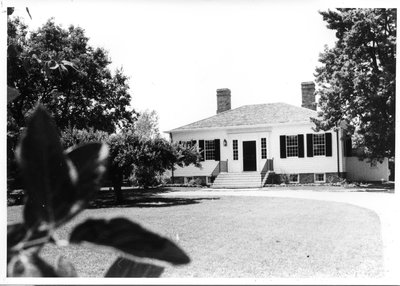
pixel 228 128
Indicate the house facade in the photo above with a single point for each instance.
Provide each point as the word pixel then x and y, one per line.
pixel 254 145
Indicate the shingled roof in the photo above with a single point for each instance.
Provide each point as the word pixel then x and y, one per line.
pixel 256 114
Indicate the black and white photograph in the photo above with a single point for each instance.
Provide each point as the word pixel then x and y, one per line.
pixel 198 142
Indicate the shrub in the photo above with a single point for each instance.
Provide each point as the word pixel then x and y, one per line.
pixel 142 160
pixel 196 182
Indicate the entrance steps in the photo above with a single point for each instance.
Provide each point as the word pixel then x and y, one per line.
pixel 237 180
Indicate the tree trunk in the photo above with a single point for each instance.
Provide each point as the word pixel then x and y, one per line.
pixel 117 184
pixel 118 192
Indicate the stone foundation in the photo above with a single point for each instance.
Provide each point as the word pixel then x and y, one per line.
pixel 306 178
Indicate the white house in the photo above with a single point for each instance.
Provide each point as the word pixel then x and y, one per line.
pixel 252 145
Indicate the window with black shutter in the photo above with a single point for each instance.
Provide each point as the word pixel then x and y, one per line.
pixel 292 146
pixel 319 144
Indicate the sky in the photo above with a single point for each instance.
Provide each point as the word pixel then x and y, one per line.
pixel 177 53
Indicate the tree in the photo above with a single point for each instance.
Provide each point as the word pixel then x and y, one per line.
pixel 145 159
pixel 146 125
pixel 57 67
pixel 357 79
pixel 121 148
pixel 156 156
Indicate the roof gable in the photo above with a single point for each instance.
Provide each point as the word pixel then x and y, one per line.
pixel 256 114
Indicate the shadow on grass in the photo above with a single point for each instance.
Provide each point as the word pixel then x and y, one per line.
pixel 132 197
pixel 149 198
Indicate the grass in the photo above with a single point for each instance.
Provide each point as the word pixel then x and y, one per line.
pixel 254 237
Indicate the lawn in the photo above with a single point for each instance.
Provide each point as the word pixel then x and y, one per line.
pixel 254 237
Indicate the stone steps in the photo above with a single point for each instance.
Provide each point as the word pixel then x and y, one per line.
pixel 238 180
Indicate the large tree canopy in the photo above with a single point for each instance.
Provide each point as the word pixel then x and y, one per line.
pixel 57 67
pixel 356 82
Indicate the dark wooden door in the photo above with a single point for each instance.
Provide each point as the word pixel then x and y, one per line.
pixel 249 156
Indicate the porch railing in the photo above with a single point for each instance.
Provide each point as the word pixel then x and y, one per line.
pixel 268 168
pixel 222 166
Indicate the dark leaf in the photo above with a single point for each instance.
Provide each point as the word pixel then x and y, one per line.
pixel 12 94
pixel 64 268
pixel 48 176
pixel 123 267
pixel 15 234
pixel 29 264
pixel 130 238
pixel 89 161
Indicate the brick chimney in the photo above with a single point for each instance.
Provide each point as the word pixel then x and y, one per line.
pixel 308 96
pixel 223 99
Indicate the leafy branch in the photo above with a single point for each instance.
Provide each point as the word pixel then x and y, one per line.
pixel 58 186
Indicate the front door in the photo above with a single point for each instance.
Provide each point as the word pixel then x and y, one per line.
pixel 249 156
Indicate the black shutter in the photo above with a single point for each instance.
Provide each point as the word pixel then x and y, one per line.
pixel 180 142
pixel 310 146
pixel 193 143
pixel 201 149
pixel 348 146
pixel 328 144
pixel 283 146
pixel 217 150
pixel 300 145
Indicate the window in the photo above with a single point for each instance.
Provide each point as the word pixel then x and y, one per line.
pixel 319 144
pixel 235 150
pixel 210 150
pixel 292 149
pixel 293 178
pixel 319 178
pixel 263 148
